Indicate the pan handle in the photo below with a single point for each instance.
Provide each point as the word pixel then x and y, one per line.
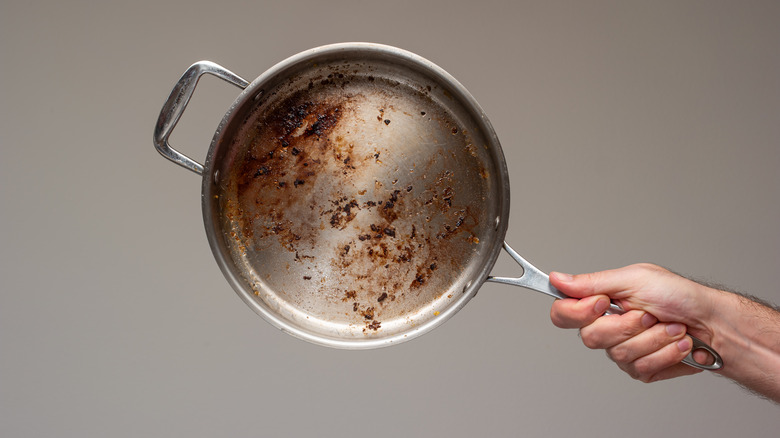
pixel 533 278
pixel 174 107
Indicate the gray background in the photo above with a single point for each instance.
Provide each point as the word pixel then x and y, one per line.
pixel 634 131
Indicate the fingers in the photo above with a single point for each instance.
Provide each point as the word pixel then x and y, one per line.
pixel 651 341
pixel 613 330
pixel 641 346
pixel 660 364
pixel 573 313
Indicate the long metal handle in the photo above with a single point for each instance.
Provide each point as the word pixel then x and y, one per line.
pixel 174 107
pixel 533 278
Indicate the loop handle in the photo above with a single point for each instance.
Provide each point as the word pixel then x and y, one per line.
pixel 174 107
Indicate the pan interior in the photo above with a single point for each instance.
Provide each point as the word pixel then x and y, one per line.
pixel 357 200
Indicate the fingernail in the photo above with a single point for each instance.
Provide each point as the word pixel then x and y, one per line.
pixel 563 277
pixel 601 306
pixel 675 329
pixel 648 320
pixel 684 344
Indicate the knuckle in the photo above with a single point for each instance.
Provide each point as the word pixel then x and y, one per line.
pixel 619 354
pixel 654 378
pixel 557 319
pixel 636 375
pixel 629 369
pixel 646 270
pixel 647 267
pixel 590 339
pixel 562 315
pixel 644 370
pixel 628 327
pixel 631 372
pixel 655 343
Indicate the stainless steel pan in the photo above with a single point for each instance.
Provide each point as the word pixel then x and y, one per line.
pixel 354 195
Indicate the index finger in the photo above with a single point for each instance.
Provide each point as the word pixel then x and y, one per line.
pixel 578 313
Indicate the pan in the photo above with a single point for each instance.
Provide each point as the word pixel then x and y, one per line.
pixel 354 195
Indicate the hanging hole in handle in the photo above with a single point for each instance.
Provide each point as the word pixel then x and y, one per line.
pixel 702 356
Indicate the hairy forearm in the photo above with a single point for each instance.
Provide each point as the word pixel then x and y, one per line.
pixel 747 336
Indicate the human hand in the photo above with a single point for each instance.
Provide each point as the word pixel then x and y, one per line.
pixel 649 340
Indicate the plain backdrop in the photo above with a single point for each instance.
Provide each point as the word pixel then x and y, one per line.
pixel 633 131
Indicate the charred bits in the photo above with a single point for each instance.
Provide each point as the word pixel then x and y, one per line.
pixel 450 230
pixel 350 295
pixel 316 118
pixel 393 199
pixel 263 170
pixel 343 213
pixel 292 127
pixel 323 123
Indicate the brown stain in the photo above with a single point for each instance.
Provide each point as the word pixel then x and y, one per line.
pixel 289 149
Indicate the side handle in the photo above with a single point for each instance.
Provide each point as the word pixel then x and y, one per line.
pixel 174 107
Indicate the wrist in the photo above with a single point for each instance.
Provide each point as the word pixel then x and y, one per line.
pixel 745 335
pixel 725 337
pixel 703 310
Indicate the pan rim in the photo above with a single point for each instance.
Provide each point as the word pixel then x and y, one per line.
pixel 231 272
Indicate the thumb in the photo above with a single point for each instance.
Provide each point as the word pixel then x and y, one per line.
pixel 586 305
pixel 585 285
